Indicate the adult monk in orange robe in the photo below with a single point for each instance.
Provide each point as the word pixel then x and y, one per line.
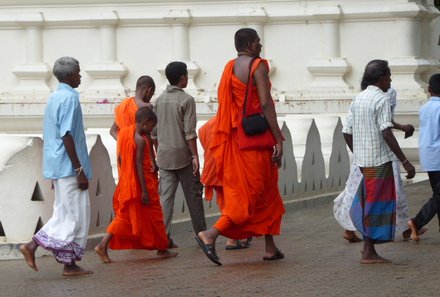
pixel 136 225
pixel 126 110
pixel 246 181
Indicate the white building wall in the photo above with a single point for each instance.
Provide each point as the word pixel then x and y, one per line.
pixel 317 49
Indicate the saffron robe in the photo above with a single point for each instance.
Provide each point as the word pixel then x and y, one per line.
pixel 246 181
pixel 135 226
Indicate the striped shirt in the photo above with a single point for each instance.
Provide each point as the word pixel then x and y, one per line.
pixel 369 115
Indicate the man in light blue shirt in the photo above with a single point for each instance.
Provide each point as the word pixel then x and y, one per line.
pixel 66 162
pixel 429 152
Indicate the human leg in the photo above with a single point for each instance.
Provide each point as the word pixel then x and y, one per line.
pixel 206 240
pixel 65 234
pixel 28 251
pixel 193 190
pixel 430 209
pixel 369 254
pixel 167 189
pixel 101 248
pixel 271 250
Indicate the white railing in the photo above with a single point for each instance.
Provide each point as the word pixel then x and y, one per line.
pixel 26 198
pixel 315 162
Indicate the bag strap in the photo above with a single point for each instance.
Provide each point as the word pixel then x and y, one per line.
pixel 251 62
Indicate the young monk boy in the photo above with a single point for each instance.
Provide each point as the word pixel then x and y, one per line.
pixel 138 223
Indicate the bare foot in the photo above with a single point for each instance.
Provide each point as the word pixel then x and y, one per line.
pixel 29 256
pixel 414 232
pixel 75 270
pixel 351 237
pixel 407 233
pixel 102 253
pixel 375 260
pixel 167 254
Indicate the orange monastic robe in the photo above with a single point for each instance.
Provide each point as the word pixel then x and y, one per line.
pixel 125 115
pixel 135 226
pixel 246 181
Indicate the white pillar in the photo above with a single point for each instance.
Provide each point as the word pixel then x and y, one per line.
pixel 408 64
pixel 329 69
pixel 179 21
pixel 33 74
pixel 107 72
pixel 255 19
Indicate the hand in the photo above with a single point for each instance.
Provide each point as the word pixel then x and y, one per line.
pixel 145 198
pixel 410 169
pixel 408 129
pixel 196 165
pixel 83 182
pixel 277 155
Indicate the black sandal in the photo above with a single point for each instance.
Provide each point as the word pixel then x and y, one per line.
pixel 209 250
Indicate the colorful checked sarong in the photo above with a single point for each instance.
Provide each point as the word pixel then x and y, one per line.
pixel 373 211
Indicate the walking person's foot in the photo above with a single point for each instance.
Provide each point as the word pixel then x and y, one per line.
pixel 29 256
pixel 166 254
pixel 414 231
pixel 351 236
pixel 375 259
pixel 75 270
pixel 103 255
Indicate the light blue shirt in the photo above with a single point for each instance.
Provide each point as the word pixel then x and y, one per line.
pixel 429 135
pixel 63 115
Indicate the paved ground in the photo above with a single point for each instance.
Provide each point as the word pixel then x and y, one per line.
pixel 318 263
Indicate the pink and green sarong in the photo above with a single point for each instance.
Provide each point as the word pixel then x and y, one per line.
pixel 373 211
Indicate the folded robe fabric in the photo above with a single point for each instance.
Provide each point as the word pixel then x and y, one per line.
pixel 246 181
pixel 135 226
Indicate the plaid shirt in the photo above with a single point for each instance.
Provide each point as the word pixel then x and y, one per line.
pixel 369 115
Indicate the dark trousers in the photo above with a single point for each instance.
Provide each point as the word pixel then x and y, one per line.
pixel 192 190
pixel 432 207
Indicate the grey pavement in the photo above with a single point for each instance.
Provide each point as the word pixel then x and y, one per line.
pixel 318 263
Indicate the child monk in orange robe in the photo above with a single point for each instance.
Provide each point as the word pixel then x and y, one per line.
pixel 138 222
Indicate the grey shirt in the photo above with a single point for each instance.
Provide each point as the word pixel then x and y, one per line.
pixel 176 115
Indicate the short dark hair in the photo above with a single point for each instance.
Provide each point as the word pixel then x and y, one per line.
pixel 144 81
pixel 145 114
pixel 243 37
pixel 434 83
pixel 174 72
pixel 374 70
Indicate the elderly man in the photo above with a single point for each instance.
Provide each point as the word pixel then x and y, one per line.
pixel 66 162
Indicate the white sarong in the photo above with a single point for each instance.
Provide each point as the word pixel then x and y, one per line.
pixel 65 234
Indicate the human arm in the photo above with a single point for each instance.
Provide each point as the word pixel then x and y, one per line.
pixel 349 140
pixel 261 77
pixel 69 144
pixel 114 131
pixel 189 126
pixel 395 148
pixel 140 155
pixel 408 128
pixel 151 145
pixel 195 156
